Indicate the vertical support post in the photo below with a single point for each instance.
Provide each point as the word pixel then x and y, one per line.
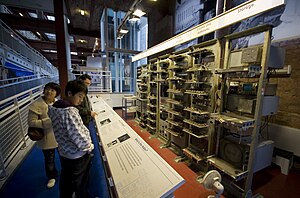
pixel 158 98
pixel 3 173
pixel 20 123
pixel 258 109
pixel 61 43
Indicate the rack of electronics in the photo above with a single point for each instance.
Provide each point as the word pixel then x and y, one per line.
pixel 246 98
pixel 162 87
pixel 216 111
pixel 201 86
pixel 177 101
pixel 152 105
pixel 142 94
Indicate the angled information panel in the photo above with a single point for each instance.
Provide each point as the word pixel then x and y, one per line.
pixel 137 170
pixel 239 13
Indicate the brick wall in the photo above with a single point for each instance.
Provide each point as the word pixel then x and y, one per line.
pixel 289 88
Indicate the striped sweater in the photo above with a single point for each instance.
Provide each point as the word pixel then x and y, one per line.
pixel 73 137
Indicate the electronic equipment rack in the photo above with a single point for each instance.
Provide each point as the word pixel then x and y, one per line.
pixel 239 151
pixel 214 110
pixel 142 94
pixel 201 86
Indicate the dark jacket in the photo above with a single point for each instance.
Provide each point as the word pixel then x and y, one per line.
pixel 85 111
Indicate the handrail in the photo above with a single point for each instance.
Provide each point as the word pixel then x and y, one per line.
pixel 12 81
pixel 14 125
pixel 33 56
pixel 20 40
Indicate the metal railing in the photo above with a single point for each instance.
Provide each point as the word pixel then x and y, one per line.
pixel 13 86
pixel 13 125
pixel 12 42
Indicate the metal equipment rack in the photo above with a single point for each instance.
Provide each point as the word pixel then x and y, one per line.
pixel 238 124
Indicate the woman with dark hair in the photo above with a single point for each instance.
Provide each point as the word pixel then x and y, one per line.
pixel 38 117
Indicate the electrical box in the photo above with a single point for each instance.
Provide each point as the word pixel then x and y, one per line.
pixel 263 157
pixel 240 103
pixel 276 58
pixel 270 105
pixel 252 56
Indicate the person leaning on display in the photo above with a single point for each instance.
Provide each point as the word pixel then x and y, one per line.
pixel 74 141
pixel 85 109
pixel 38 117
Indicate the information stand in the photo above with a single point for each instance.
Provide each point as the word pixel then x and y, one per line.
pixel 136 169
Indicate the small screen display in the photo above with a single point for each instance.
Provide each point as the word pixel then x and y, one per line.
pixel 123 137
pixel 247 87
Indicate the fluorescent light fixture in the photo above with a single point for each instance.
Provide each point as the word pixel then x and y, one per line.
pixel 82 12
pixel 82 41
pixel 20 14
pixel 38 33
pixel 133 18
pixel 50 18
pixel 124 31
pixel 50 51
pixel 51 37
pixel 120 36
pixel 74 53
pixel 33 15
pixel 138 10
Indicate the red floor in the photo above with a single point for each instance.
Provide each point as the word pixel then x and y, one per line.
pixel 191 189
pixel 270 182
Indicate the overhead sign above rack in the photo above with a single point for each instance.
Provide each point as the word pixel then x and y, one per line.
pixel 239 13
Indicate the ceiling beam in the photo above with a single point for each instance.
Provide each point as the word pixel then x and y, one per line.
pixel 85 50
pixel 125 51
pixel 82 32
pixel 52 56
pixel 50 45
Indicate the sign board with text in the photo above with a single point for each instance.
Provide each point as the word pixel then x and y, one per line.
pixel 137 170
pixel 241 12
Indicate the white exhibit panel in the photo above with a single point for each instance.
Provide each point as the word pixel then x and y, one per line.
pixel 136 169
pixel 112 99
pixel 239 13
